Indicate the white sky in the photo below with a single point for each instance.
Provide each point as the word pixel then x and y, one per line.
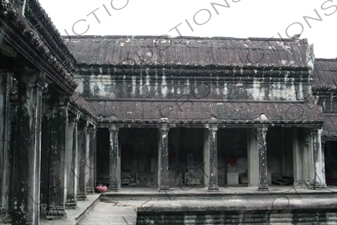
pixel 244 18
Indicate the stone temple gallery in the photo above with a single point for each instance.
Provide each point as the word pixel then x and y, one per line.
pixel 185 130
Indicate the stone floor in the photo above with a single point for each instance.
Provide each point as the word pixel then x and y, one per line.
pixel 113 208
pixel 122 207
pixel 75 215
pixel 111 214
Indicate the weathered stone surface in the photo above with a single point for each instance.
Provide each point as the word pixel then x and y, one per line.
pixel 91 161
pixel 163 174
pixel 114 160
pixel 201 51
pixel 261 133
pixel 72 162
pixel 162 83
pixel 82 142
pixel 5 153
pixel 27 150
pixel 59 165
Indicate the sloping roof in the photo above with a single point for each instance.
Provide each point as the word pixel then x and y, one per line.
pixel 330 126
pixel 77 100
pixel 190 51
pixel 325 74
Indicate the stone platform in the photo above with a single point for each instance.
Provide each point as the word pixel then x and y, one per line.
pixel 231 205
pixel 191 205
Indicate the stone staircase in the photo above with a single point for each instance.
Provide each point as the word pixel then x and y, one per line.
pixel 235 217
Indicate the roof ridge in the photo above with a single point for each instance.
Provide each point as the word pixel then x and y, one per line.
pixel 183 37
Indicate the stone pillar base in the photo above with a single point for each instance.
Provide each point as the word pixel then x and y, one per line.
pixel 165 188
pixel 90 191
pixel 213 189
pixel 56 213
pixel 4 214
pixel 263 188
pixel 71 204
pixel 114 189
pixel 81 197
pixel 320 186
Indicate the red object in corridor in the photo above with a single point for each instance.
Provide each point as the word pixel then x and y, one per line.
pixel 101 188
pixel 232 161
pixel 171 155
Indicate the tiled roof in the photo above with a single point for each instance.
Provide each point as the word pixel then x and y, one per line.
pixel 325 74
pixel 81 103
pixel 190 51
pixel 330 125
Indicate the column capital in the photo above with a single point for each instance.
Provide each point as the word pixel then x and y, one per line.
pixel 63 100
pixel 213 128
pixel 313 131
pixel 91 129
pixel 316 131
pixel 74 118
pixel 113 128
pixel 26 75
pixel 164 129
pixel 83 125
pixel 262 129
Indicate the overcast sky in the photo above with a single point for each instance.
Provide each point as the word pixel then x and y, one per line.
pixel 236 18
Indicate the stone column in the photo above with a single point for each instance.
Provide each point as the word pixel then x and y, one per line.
pixel 27 150
pixel 206 159
pixel 82 156
pixel 323 162
pixel 4 142
pixel 308 171
pixel 163 173
pixel 58 163
pixel 94 147
pixel 297 157
pixel 319 164
pixel 91 160
pixel 211 159
pixel 253 158
pixel 72 155
pixel 45 153
pixel 114 156
pixel 262 147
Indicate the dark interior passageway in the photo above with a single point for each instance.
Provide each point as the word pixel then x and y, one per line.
pixel 102 159
pixel 186 167
pixel 280 156
pixel 139 157
pixel 330 155
pixel 232 157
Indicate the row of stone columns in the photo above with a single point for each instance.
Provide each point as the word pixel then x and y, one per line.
pixel 71 154
pixel 44 136
pixel 313 157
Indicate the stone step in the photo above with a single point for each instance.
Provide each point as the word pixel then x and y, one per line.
pixel 254 217
pixel 110 214
pixel 282 180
